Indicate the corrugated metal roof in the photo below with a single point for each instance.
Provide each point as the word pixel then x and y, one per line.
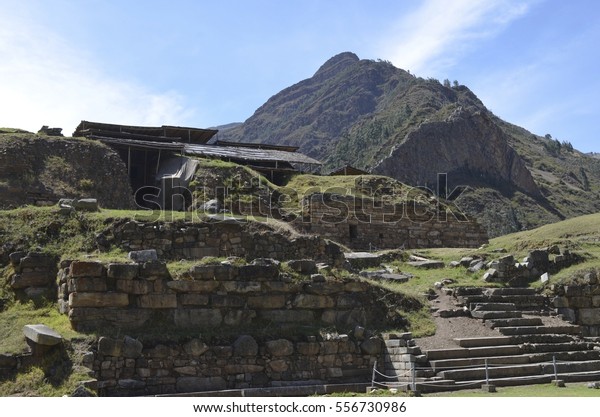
pixel 144 144
pixel 248 154
pixel 179 133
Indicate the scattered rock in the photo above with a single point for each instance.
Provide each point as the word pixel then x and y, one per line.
pixel 86 204
pixel 142 256
pixel 211 206
pixel 545 277
pixel 427 264
pixel 42 334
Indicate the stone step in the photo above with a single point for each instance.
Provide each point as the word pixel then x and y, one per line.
pixel 438 354
pixel 485 306
pixel 521 302
pixel 467 342
pixel 580 355
pixel 513 322
pixel 440 365
pixel 463 291
pixel 543 338
pixel 522 330
pixel 487 315
pixel 473 374
pixel 510 291
pixel 520 370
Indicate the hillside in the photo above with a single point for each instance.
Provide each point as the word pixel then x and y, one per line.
pixel 385 120
pixel 40 169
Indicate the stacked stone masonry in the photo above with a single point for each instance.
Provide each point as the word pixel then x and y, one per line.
pixel 130 295
pixel 362 224
pixel 126 367
pixel 580 304
pixel 219 238
pixel 34 274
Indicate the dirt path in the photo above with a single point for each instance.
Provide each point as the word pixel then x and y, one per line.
pixel 452 327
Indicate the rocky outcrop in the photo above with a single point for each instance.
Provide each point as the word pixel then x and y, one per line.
pixel 465 146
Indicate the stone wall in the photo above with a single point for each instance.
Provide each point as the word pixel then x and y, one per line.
pixel 219 238
pixel 130 296
pixel 362 224
pixel 580 304
pixel 127 367
pixel 34 274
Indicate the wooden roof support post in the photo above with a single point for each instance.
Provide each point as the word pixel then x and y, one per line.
pixel 158 161
pixel 129 161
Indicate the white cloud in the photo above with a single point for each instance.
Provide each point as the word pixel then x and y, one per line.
pixel 44 80
pixel 435 35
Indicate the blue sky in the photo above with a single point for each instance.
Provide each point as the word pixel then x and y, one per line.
pixel 205 63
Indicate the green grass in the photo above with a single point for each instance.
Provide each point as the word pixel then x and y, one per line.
pixel 542 390
pixel 18 315
pixel 576 389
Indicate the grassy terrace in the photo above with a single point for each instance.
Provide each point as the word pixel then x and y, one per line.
pixel 73 237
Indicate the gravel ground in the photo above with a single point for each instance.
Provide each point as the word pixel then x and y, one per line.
pixel 449 328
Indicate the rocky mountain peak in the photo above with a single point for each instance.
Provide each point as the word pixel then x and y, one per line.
pixel 336 64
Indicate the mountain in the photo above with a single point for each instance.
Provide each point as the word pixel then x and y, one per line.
pixel 382 119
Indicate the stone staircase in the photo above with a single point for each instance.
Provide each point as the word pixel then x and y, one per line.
pixel 533 346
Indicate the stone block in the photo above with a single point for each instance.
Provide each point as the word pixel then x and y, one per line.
pixel 154 270
pixel 110 347
pixel 280 347
pixel 190 317
pixel 86 284
pixel 123 271
pixel 37 260
pixel 195 347
pixel 98 299
pixel 203 272
pixel 42 334
pixel 241 286
pixel 278 365
pixel 324 288
pixel 142 256
pixel 134 286
pixel 267 301
pixel 580 302
pixel 132 348
pixel 258 272
pixel 589 316
pixel 31 279
pixel 371 346
pixel 87 269
pixel 246 346
pixel 86 204
pixel 157 301
pixel 287 316
pixel 199 384
pixel 193 286
pixel 239 317
pixel 280 286
pixel 227 301
pixel 311 301
pixel 308 348
pixel 193 299
pixel 185 370
pixel 596 301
